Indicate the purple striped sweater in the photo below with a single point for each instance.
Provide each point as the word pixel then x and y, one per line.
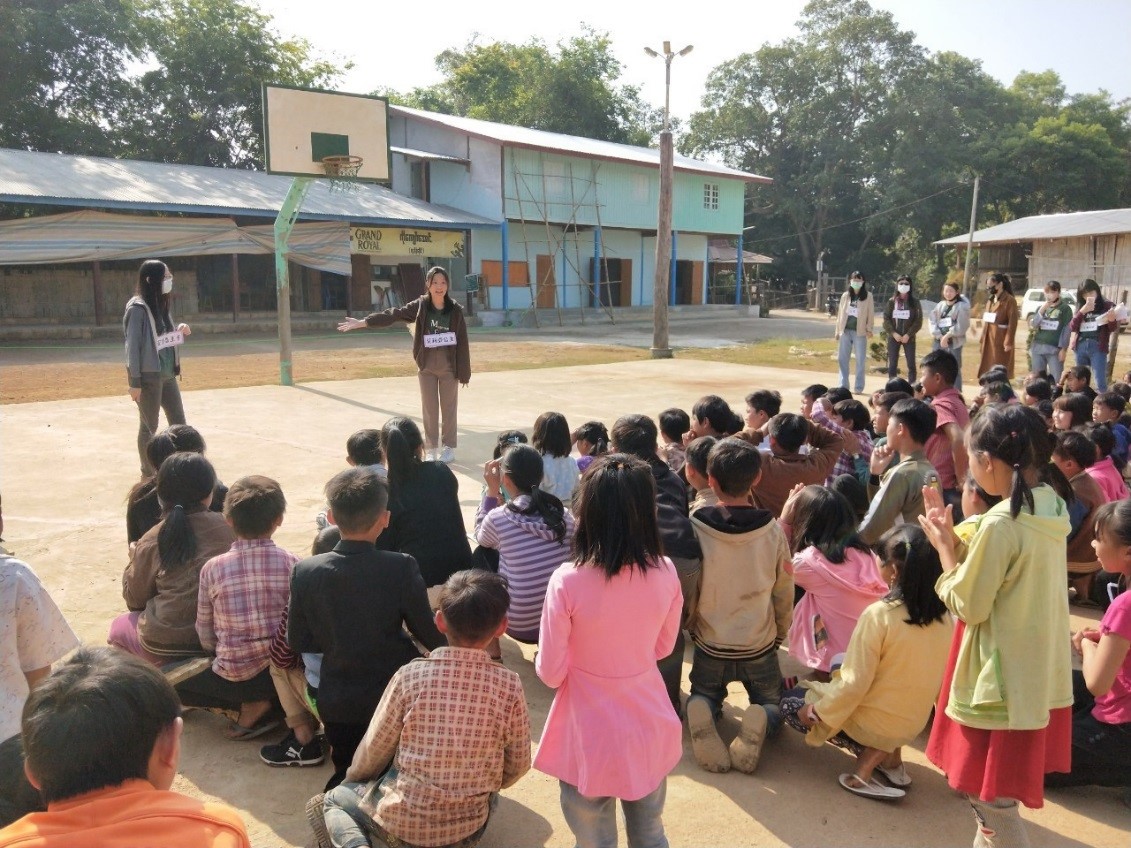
pixel 528 555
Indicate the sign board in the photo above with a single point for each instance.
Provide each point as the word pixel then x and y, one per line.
pixel 303 125
pixel 405 241
pixel 471 282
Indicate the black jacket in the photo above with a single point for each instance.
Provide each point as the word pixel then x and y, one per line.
pixel 671 512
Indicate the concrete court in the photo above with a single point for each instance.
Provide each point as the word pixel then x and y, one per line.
pixel 68 465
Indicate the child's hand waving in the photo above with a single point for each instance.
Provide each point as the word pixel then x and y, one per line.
pixel 938 523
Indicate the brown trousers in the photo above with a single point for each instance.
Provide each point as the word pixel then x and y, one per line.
pixel 438 396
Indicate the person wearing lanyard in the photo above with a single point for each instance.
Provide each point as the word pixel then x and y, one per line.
pixel 439 346
pixel 948 322
pixel 902 319
pixel 1092 327
pixel 1050 337
pixel 153 361
pixel 853 328
pixel 999 325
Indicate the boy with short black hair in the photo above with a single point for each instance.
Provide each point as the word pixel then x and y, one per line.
pixel 784 466
pixel 241 597
pixel 363 448
pixel 102 738
pixel 899 493
pixel 809 395
pixel 349 605
pixel 674 422
pixel 1035 391
pixel 742 612
pixel 450 732
pixel 945 449
pixel 1108 408
pixel 696 472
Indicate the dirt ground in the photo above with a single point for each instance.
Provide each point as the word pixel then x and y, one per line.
pixel 67 465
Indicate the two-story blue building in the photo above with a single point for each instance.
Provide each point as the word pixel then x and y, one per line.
pixel 578 215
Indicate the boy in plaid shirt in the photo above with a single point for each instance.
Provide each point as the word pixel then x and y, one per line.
pixel 241 598
pixel 450 732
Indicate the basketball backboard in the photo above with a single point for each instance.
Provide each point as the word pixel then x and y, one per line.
pixel 303 126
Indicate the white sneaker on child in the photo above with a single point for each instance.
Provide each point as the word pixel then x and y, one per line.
pixel 447 455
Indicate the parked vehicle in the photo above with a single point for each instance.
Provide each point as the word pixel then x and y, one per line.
pixel 1035 297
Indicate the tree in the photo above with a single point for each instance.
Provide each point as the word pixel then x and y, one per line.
pixel 201 103
pixel 62 73
pixel 572 89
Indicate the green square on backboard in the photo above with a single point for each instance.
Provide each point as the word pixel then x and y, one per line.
pixel 328 144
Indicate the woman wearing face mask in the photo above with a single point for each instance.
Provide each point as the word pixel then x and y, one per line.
pixel 999 325
pixel 1092 327
pixel 854 319
pixel 153 360
pixel 439 346
pixel 902 319
pixel 1050 325
pixel 948 322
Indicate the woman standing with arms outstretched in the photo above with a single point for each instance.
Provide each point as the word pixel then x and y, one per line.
pixel 854 319
pixel 439 346
pixel 999 325
pixel 153 360
pixel 609 617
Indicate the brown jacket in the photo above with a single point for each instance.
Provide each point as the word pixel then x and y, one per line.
pixel 167 599
pixel 782 471
pixel 1080 550
pixel 416 313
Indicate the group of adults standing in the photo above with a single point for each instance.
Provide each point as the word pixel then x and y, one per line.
pixel 1057 328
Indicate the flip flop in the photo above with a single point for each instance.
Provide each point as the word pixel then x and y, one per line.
pixel 237 732
pixel 871 789
pixel 897 776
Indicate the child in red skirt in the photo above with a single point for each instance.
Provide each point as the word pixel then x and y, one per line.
pixel 1004 715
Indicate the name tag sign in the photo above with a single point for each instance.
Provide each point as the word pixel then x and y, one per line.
pixel 1090 326
pixel 853 311
pixel 901 314
pixel 946 323
pixel 990 317
pixel 439 339
pixel 1050 324
pixel 176 337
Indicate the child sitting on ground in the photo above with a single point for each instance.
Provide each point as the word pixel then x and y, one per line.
pixel 761 406
pixel 695 470
pixel 837 571
pixel 242 596
pixel 1108 408
pixel 553 441
pixel 363 450
pixel 809 396
pixel 429 766
pixel 846 415
pixel 349 605
pixel 742 613
pixel 592 441
pixel 673 424
pixel 1104 470
pixel 882 695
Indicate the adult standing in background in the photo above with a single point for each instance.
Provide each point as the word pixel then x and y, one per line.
pixel 439 346
pixel 153 360
pixel 903 317
pixel 949 321
pixel 999 325
pixel 854 319
pixel 1050 324
pixel 1092 326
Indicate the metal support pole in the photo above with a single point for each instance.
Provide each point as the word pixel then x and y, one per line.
pixel 96 285
pixel 284 223
pixel 505 254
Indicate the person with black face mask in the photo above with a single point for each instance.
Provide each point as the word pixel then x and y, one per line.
pixel 999 325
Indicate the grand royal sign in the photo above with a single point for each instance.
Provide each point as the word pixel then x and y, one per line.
pixel 398 241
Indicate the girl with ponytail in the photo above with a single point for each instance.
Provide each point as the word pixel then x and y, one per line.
pixel 161 581
pixel 425 517
pixel 532 532
pixel 592 440
pixel 1004 716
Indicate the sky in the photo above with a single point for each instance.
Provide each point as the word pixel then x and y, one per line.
pixel 393 45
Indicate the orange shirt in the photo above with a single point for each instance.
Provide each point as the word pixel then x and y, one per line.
pixel 131 814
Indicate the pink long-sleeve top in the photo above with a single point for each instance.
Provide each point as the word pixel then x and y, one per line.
pixel 611 730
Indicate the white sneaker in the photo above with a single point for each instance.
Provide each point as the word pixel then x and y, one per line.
pixel 447 455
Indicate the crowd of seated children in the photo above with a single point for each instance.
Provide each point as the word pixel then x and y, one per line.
pixel 742 612
pixel 552 438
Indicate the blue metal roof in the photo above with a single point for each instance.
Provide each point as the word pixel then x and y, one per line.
pixel 90 181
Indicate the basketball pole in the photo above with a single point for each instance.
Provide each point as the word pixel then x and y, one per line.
pixel 284 223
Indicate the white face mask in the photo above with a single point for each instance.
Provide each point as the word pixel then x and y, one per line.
pixel 855 284
pixel 903 288
pixel 167 285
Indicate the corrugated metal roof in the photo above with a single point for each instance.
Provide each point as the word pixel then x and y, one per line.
pixel 1066 225
pixel 572 144
pixel 50 178
pixel 424 154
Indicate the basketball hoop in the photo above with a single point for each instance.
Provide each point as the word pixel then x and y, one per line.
pixel 342 170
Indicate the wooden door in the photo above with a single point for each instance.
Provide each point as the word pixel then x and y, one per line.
pixel 696 283
pixel 546 281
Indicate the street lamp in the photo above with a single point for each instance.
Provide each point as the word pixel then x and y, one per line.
pixel 660 348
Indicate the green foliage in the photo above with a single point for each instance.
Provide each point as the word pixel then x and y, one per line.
pixel 570 89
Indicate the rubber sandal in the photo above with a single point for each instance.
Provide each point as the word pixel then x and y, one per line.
pixel 237 732
pixel 897 776
pixel 871 789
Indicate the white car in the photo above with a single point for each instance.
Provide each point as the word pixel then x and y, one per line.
pixel 1035 297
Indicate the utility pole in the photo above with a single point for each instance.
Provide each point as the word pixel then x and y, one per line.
pixel 970 240
pixel 660 348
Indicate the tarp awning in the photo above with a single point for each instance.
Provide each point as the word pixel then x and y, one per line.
pixel 723 254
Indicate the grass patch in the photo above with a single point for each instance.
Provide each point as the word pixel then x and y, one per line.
pixel 807 355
